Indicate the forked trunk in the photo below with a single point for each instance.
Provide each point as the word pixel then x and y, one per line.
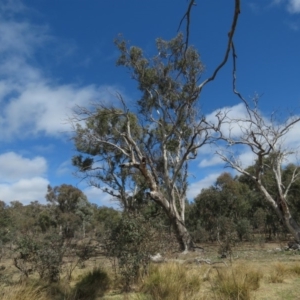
pixel 183 236
pixel 282 209
pixel 289 222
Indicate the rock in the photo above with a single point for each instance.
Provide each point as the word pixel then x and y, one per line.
pixel 293 246
pixel 156 258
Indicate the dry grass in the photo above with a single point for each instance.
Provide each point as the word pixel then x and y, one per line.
pixel 236 282
pixel 173 281
pixel 255 273
pixel 24 292
pixel 278 272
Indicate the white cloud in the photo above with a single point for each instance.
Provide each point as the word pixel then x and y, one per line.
pixel 64 168
pixel 293 25
pixel 32 103
pixel 195 188
pixel 25 190
pixel 97 196
pixel 235 112
pixel 291 139
pixel 22 179
pixel 247 158
pixel 276 2
pixel 255 8
pixel 42 108
pixel 289 142
pixel 15 167
pixel 294 6
pixel 11 7
pixel 209 162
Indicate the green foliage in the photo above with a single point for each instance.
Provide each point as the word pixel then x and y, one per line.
pixel 5 220
pixel 243 229
pixel 222 210
pixel 128 242
pixel 70 209
pixel 106 218
pixel 126 148
pixel 234 209
pixel 132 242
pixel 173 73
pixel 43 254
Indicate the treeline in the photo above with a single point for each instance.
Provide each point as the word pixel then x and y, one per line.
pixel 234 208
pixel 40 237
pixel 68 213
pixel 233 205
pixel 53 239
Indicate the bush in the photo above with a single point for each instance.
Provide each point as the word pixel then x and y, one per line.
pixel 243 229
pixel 92 285
pixel 43 254
pixel 132 242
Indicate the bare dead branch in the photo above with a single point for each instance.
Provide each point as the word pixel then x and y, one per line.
pixel 237 11
pixel 187 16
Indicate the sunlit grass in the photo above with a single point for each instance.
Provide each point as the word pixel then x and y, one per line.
pixel 260 276
pixel 173 281
pixel 236 282
pixel 24 292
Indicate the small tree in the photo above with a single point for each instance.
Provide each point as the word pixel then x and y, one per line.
pixel 43 254
pixel 70 208
pixel 133 241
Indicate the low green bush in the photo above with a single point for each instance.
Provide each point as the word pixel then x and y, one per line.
pixel 94 284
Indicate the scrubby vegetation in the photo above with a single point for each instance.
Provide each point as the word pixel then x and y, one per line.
pixel 71 249
pixel 256 273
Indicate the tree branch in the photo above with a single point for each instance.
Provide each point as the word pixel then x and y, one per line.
pixel 229 45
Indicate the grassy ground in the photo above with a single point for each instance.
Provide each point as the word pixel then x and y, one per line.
pixel 257 272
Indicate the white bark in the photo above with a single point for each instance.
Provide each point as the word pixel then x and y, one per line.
pixel 265 138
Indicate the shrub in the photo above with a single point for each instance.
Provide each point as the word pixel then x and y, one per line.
pixel 132 242
pixel 43 254
pixel 93 284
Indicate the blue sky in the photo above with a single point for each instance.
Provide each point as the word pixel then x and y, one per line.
pixel 57 54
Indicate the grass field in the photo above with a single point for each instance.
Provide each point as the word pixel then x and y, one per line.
pixel 253 272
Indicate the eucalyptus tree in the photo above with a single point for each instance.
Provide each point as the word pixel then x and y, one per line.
pixel 71 208
pixel 267 139
pixel 143 150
